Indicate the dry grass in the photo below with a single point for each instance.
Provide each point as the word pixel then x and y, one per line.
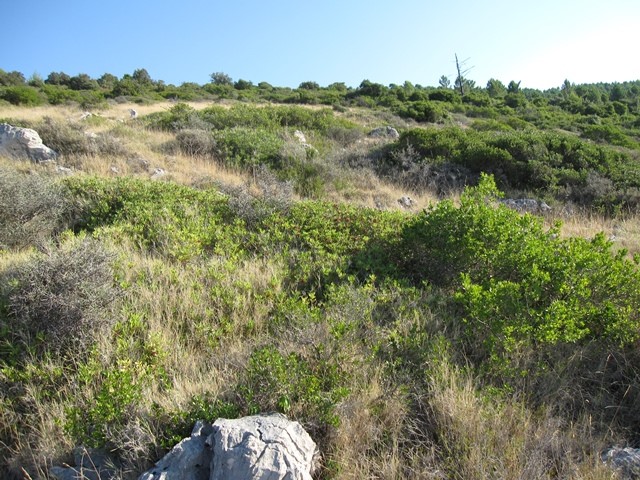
pixel 487 438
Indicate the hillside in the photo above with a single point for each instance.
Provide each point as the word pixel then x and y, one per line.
pixel 245 251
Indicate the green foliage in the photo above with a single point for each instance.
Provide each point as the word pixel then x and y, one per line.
pixel 521 287
pixel 21 95
pixel 179 424
pixel 553 163
pixel 294 384
pixel 96 420
pixel 422 111
pixel 246 147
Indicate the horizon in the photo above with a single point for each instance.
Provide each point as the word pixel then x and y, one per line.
pixel 288 44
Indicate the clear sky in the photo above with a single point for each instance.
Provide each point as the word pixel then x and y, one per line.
pixel 540 43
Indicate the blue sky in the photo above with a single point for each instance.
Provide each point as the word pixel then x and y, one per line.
pixel 287 42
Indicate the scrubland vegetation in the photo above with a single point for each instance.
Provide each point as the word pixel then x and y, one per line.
pixel 203 261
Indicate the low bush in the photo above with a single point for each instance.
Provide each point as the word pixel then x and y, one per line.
pixel 22 95
pixel 547 162
pixel 521 287
pixel 62 299
pixel 33 208
pixel 196 142
pixel 71 139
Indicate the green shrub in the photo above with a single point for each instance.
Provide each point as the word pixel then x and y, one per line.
pixel 292 384
pixel 521 287
pixel 169 219
pixel 21 95
pixel 248 147
pixel 111 393
pixel 422 111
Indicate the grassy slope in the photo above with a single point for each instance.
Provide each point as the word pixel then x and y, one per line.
pixel 244 301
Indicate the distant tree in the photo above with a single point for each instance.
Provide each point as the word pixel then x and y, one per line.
pixel 265 86
pixel 108 81
pixel 82 82
pixel 57 78
pixel 243 84
pixel 35 80
pixel 127 87
pixel 370 89
pixel 338 86
pixel 309 86
pixel 495 88
pixel 462 84
pixel 444 82
pixel 9 79
pixel 142 77
pixel 617 93
pixel 566 89
pixel 513 87
pixel 221 78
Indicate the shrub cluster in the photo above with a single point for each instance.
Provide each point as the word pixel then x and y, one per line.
pixel 551 163
pixel 32 209
pixel 62 299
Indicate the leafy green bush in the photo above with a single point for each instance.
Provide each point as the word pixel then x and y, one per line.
pixel 528 159
pixel 172 220
pixel 521 287
pixel 305 387
pixel 248 147
pixel 422 111
pixel 21 95
pixel 111 393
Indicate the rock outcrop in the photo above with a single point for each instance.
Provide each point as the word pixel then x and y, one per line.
pixel 258 447
pixel 24 143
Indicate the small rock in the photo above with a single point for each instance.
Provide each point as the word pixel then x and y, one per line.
pixel 300 136
pixel 85 115
pixel 63 170
pixel 625 460
pixel 526 205
pixel 158 173
pixel 90 464
pixel 133 113
pixel 406 202
pixel 114 170
pixel 384 132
